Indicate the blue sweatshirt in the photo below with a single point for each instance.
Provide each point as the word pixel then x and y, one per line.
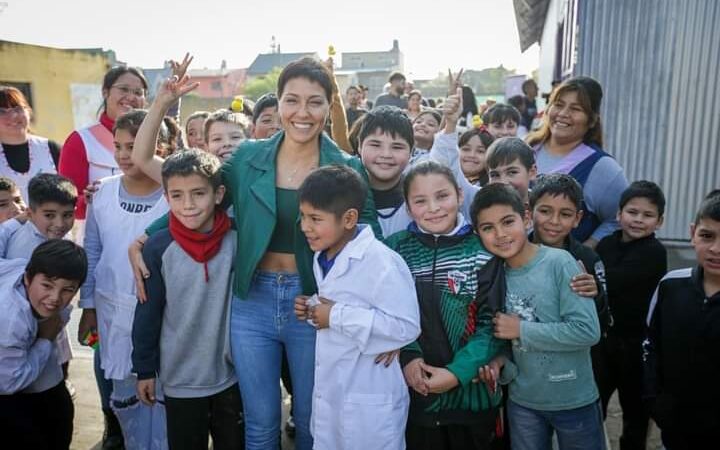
pixel 552 370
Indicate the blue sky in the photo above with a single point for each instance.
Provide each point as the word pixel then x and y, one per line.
pixel 433 35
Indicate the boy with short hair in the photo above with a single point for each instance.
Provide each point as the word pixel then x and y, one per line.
pixel 265 117
pixel 123 206
pixel 180 335
pixel 11 201
pixel 502 120
pixel 635 261
pixel 511 161
pixel 366 306
pixel 551 328
pixel 681 356
pixel 36 411
pixel 51 215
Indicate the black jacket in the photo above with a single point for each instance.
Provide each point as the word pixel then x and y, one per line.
pixel 682 352
pixel 632 271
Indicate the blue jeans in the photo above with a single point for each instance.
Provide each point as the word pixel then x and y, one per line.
pixel 104 385
pixel 577 429
pixel 259 327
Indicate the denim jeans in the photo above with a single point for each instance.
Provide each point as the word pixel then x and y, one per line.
pixel 104 385
pixel 260 325
pixel 577 429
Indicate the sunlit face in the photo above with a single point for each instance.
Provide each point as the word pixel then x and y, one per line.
pixel 515 174
pixel 268 123
pixel 424 128
pixel 48 296
pixel 324 231
pixel 508 128
pixel 554 217
pixel 385 157
pixel 124 142
pixel 303 109
pixel 502 231
pixel 706 240
pixel 639 218
pixel 569 122
pixel 11 204
pixel 14 123
pixel 52 219
pixel 192 201
pixel 472 157
pixel 433 203
pixel 195 133
pixel 223 139
pixel 127 93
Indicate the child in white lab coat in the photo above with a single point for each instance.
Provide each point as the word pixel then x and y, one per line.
pixel 366 306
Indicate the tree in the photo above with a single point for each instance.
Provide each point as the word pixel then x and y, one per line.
pixel 261 85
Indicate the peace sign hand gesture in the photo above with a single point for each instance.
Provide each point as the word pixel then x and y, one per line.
pixel 173 88
pixel 454 82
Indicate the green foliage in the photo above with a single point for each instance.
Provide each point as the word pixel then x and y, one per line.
pixel 259 86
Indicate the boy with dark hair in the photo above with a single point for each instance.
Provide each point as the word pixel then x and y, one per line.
pixel 502 120
pixel 551 329
pixel 681 352
pixel 265 118
pixel 635 261
pixel 180 335
pixel 11 201
pixel 51 215
pixel 365 306
pixel 511 161
pixel 36 411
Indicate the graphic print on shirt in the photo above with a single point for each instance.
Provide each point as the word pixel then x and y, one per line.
pixel 136 207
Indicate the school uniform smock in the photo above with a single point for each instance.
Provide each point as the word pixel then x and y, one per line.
pixel 112 283
pixel 87 156
pixel 27 364
pixel 41 157
pixel 358 404
pixel 21 244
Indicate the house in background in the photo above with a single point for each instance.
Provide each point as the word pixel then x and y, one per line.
pixel 63 85
pixel 264 63
pixel 658 64
pixel 371 69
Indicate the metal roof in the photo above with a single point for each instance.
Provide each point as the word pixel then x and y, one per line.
pixel 265 62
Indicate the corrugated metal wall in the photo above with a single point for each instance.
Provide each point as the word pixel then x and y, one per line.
pixel 659 64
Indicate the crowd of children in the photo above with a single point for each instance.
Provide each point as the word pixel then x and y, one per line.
pixel 449 287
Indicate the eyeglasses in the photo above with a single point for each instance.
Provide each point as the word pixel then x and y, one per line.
pixel 6 112
pixel 126 90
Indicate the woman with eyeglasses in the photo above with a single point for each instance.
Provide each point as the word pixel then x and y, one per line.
pixel 24 155
pixel 87 154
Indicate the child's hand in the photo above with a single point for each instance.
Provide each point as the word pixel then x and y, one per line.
pixel 88 322
pixel 140 270
pixel 507 326
pixel 320 314
pixel 301 307
pixel 179 69
pixel 452 107
pixel 454 82
pixel 387 358
pixel 90 191
pixel 146 391
pixel 415 376
pixel 584 285
pixel 50 327
pixel 173 88
pixel 440 379
pixel 490 373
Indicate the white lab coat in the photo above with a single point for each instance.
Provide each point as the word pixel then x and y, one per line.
pixel 358 404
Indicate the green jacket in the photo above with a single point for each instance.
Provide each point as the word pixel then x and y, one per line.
pixel 249 179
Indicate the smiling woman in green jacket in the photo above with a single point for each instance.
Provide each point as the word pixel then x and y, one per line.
pixel 273 262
